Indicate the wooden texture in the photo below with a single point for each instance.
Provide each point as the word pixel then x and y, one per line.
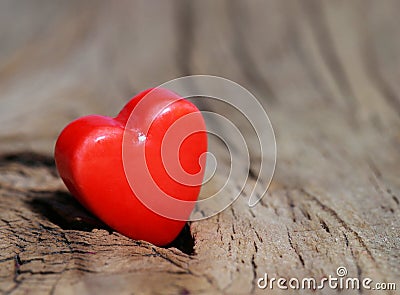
pixel 328 74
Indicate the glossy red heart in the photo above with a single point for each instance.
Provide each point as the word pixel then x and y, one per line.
pixel 99 160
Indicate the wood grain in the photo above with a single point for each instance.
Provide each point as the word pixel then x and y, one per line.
pixel 327 73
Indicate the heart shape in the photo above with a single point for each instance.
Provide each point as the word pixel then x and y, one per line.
pixel 132 171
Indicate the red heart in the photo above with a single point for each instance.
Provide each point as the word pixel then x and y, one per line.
pixel 98 159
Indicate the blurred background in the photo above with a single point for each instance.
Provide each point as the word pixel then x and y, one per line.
pixel 63 59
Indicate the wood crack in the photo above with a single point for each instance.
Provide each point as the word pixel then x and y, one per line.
pixel 347 227
pixel 295 248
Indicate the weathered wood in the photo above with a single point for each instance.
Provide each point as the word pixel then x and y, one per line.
pixel 326 72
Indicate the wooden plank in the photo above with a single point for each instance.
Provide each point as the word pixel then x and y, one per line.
pixel 326 72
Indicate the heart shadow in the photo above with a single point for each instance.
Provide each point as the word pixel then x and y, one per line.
pixel 63 210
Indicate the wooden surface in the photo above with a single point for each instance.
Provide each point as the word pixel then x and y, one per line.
pixel 327 72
